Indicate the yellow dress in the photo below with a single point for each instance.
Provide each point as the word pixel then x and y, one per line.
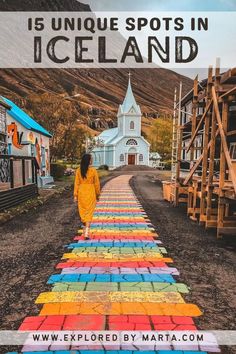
pixel 87 191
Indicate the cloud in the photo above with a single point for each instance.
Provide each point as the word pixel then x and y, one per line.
pixel 162 5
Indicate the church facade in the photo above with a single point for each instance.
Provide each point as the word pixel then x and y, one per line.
pixel 123 145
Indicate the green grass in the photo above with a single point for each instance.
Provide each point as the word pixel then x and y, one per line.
pixel 103 173
pixel 67 179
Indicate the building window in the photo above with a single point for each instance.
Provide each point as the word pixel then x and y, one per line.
pixel 132 142
pixel 131 125
pixel 141 158
pixel 122 158
pixel 232 151
pixel 9 149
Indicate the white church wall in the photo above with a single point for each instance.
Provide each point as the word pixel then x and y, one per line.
pixel 132 125
pixel 97 157
pixel 109 157
pixel 141 148
pixel 103 156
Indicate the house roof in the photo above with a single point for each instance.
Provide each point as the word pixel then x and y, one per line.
pixel 23 118
pixel 154 156
pixel 108 135
pixel 129 101
pixel 4 104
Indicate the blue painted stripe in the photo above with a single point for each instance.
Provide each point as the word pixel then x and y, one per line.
pixel 117 241
pixel 110 278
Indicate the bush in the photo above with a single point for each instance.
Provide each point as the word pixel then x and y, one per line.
pixel 58 170
pixel 168 165
pixel 104 167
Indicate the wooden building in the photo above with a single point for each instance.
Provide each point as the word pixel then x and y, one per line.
pixel 204 152
pixel 24 155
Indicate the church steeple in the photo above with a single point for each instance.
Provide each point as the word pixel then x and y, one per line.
pixel 129 101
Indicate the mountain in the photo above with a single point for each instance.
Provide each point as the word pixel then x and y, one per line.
pixel 99 90
pixel 43 5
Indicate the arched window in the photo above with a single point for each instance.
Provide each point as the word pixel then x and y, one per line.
pixel 141 158
pixel 132 142
pixel 122 158
pixel 131 125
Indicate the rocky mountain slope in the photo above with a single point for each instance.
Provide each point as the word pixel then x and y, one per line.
pixel 43 5
pixel 100 90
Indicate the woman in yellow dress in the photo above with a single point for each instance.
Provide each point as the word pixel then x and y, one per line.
pixel 86 191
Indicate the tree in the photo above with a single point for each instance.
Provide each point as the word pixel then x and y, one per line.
pixel 74 147
pixel 60 117
pixel 161 137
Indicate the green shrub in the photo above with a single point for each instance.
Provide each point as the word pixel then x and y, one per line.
pixel 58 170
pixel 104 167
pixel 168 165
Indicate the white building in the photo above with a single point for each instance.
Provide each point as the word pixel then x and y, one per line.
pixel 123 145
pixel 154 159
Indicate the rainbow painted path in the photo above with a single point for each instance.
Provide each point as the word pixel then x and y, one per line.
pixel 122 279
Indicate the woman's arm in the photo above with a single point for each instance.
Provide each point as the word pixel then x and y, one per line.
pixel 76 185
pixel 97 183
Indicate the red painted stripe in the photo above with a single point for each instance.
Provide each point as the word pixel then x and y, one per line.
pixel 117 237
pixel 124 210
pixel 122 236
pixel 99 322
pixel 132 264
pixel 118 221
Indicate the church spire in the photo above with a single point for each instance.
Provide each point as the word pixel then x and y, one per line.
pixel 129 101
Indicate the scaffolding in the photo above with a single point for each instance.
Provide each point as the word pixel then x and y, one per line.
pixel 204 151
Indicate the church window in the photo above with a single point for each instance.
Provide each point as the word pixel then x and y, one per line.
pixel 141 158
pixel 132 125
pixel 122 158
pixel 132 142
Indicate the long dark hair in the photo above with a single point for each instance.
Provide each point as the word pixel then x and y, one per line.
pixel 84 166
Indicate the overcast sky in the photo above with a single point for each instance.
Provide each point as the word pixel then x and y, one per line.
pixel 165 5
pixel 162 5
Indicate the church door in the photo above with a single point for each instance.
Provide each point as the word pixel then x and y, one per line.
pixel 131 159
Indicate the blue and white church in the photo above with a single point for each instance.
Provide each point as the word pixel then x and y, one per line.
pixel 123 145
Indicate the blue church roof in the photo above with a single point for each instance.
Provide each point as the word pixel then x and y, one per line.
pixel 23 118
pixel 108 135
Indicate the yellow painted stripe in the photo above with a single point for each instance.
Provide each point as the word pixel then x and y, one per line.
pixel 118 296
pixel 114 257
pixel 122 308
pixel 121 258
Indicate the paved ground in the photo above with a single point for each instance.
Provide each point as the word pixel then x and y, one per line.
pixel 212 279
pixel 119 280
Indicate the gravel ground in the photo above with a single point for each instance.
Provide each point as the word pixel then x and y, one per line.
pixel 33 243
pixel 206 264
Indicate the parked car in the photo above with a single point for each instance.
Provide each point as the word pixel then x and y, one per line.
pixel 69 172
pixel 161 166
